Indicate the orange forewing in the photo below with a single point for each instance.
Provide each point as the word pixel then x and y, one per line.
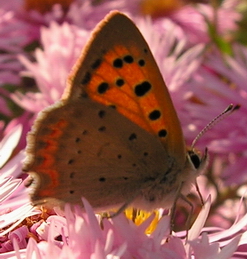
pixel 116 38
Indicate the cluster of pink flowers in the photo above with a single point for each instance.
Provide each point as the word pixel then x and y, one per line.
pixel 204 72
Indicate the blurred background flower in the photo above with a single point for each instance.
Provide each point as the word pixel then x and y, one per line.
pixel 200 47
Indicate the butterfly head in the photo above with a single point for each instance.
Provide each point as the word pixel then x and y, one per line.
pixel 197 160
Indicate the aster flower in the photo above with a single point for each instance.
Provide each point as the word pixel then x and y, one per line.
pixel 227 77
pixel 80 234
pixel 18 29
pixel 12 42
pixel 34 14
pixel 62 45
pixel 15 204
pixel 194 77
pixel 191 22
pixel 217 83
pixel 194 22
pixel 10 167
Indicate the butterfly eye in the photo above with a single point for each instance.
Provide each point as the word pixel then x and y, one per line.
pixel 194 158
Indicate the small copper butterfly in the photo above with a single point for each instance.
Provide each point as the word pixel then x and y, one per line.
pixel 114 137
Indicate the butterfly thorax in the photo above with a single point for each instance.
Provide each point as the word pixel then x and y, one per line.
pixel 177 180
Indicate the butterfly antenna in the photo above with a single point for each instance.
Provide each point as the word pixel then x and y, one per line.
pixel 231 108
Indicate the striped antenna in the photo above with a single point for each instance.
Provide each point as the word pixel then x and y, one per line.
pixel 231 108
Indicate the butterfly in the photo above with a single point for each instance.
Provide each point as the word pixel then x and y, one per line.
pixel 114 137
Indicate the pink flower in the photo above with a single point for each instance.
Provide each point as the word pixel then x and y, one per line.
pixel 15 206
pixel 12 41
pixel 80 235
pixel 194 77
pixel 62 45
pixel 10 166
pixel 226 139
pixel 194 21
pixel 219 81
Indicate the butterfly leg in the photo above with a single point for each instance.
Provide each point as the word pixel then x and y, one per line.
pixel 199 193
pixel 120 210
pixel 173 209
pixel 188 221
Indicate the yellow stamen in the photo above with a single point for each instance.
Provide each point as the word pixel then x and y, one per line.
pixel 139 216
